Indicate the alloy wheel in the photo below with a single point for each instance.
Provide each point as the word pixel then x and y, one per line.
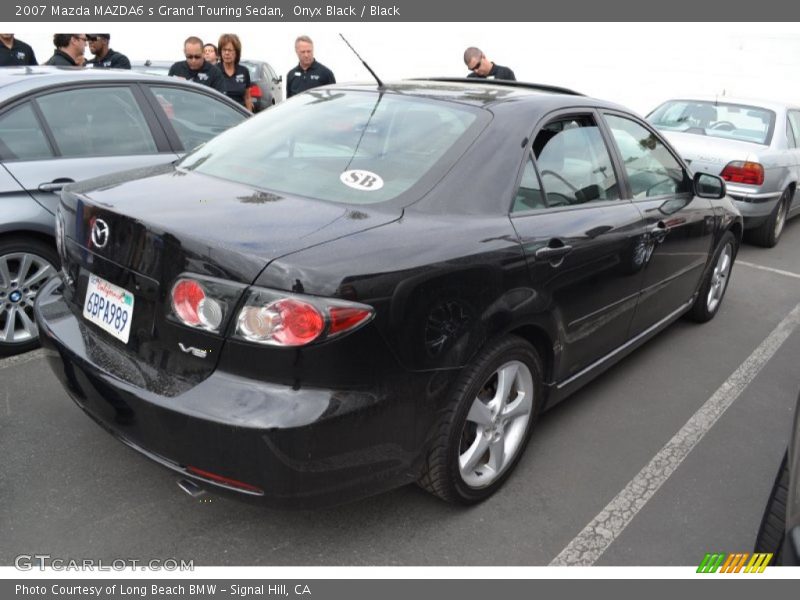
pixel 719 278
pixel 22 274
pixel 780 218
pixel 496 424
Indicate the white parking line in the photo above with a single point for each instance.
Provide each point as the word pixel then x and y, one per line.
pixel 607 526
pixel 770 269
pixel 20 359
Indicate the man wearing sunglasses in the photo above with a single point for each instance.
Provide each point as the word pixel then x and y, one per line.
pixel 105 57
pixel 196 68
pixel 481 67
pixel 69 49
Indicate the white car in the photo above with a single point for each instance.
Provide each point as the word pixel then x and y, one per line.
pixel 753 145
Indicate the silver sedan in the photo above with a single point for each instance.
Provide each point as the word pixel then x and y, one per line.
pixel 753 146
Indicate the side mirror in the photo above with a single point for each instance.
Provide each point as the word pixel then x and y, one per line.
pixel 277 79
pixel 709 186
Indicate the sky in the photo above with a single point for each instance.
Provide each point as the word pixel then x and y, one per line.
pixel 638 65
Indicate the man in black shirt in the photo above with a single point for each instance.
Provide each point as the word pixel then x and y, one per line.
pixel 483 68
pixel 196 68
pixel 308 73
pixel 69 49
pixel 105 57
pixel 14 52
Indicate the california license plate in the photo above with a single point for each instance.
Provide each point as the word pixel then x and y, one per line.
pixel 109 306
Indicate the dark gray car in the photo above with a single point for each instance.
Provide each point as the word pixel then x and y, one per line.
pixel 59 126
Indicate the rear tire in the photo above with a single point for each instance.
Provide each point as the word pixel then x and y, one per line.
pixel 773 524
pixel 713 288
pixel 26 264
pixel 487 423
pixel 769 232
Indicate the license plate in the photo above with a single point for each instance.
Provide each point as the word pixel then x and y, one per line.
pixel 109 306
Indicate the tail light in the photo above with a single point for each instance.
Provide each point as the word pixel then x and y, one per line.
pixel 194 306
pixel 268 317
pixel 750 173
pixel 255 91
pixel 288 320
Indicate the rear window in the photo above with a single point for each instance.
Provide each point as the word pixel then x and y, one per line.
pixel 716 119
pixel 351 147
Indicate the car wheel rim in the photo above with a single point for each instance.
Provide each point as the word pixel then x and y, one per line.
pixel 780 218
pixel 21 276
pixel 719 278
pixel 496 424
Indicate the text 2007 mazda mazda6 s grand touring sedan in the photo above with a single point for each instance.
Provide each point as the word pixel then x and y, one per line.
pixel 373 285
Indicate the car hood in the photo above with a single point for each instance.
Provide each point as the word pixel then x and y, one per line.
pixel 710 154
pixel 210 225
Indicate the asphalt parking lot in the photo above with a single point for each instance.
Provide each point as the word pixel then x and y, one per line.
pixel 70 490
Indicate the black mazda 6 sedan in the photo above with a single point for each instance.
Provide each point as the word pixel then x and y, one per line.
pixel 367 286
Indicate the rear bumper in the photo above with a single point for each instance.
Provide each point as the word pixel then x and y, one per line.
pixel 755 208
pixel 288 445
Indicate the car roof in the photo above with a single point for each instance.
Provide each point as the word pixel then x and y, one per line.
pixel 772 105
pixel 15 80
pixel 482 93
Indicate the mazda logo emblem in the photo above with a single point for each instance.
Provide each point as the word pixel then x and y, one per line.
pixel 100 232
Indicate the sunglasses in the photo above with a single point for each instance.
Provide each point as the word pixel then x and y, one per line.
pixel 477 65
pixel 194 56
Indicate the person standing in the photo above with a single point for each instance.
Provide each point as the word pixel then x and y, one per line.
pixel 308 73
pixel 69 49
pixel 14 52
pixel 105 57
pixel 196 68
pixel 483 68
pixel 210 53
pixel 235 76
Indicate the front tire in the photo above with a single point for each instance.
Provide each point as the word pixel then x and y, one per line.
pixel 25 266
pixel 713 288
pixel 773 524
pixel 487 423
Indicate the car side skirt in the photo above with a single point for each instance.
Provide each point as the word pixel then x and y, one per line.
pixel 561 390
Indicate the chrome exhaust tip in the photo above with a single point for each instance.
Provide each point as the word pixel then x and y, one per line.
pixel 191 488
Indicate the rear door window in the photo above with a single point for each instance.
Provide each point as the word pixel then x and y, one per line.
pixel 97 121
pixel 574 163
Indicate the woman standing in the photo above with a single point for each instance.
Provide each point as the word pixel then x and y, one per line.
pixel 237 77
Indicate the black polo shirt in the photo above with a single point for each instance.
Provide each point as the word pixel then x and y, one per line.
pixel 298 80
pixel 497 72
pixel 112 60
pixel 207 75
pixel 61 59
pixel 237 84
pixel 20 53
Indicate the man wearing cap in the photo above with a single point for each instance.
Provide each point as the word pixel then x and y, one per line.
pixel 105 57
pixel 196 68
pixel 14 52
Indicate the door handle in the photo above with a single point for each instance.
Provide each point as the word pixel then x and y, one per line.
pixel 552 253
pixel 658 232
pixel 56 185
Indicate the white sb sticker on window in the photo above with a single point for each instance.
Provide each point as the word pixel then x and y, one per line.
pixel 366 181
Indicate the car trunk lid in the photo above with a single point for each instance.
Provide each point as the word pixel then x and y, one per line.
pixel 707 154
pixel 170 223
